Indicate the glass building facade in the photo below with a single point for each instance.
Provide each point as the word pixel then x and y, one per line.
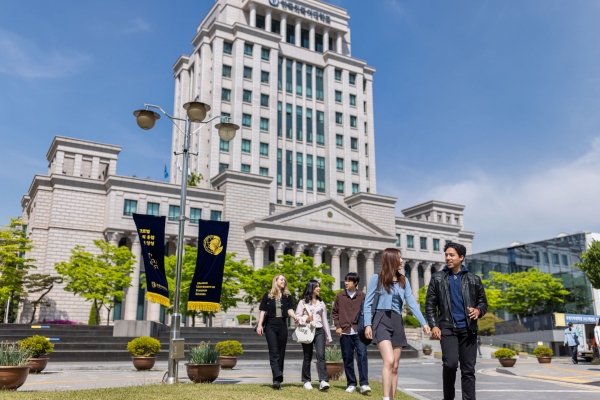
pixel 555 256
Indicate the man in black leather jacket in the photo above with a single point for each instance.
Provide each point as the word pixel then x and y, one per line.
pixel 455 300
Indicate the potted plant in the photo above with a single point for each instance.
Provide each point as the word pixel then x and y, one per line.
pixel 143 352
pixel 38 347
pixel 518 349
pixel 427 349
pixel 229 350
pixel 333 362
pixel 204 364
pixel 14 366
pixel 505 356
pixel 544 354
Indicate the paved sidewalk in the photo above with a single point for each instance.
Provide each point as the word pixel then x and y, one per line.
pixel 560 370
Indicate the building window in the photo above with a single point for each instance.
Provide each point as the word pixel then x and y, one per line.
pixel 246 120
pixel 352 121
pixel 223 167
pixel 226 71
pixel 173 213
pixel 546 259
pixel 247 73
pixel 353 100
pixel 367 171
pixel 288 121
pixel 248 49
pixel 130 207
pixel 260 22
pixel 279 73
pixel 299 79
pixel 355 167
pixel 279 119
pixel 299 183
pixel 338 74
pixel 304 39
pixel 339 164
pixel 339 140
pixel 290 34
pixel 299 123
pixel 215 215
pixel 354 188
pixel 339 118
pixel 555 259
pixel 398 240
pixel 366 149
pixel 289 203
pixel 223 146
pixel 436 244
pixel 410 241
pixel 536 255
pixel 309 127
pixel 366 128
pixel 264 77
pixel 195 214
pixel 308 76
pixel 365 106
pixel 354 143
pixel 225 94
pixel 279 166
pixel 246 146
pixel 264 149
pixel 321 174
pixel 276 26
pixel 423 243
pixel 319 42
pixel 352 79
pixel 288 76
pixel 289 181
pixel 264 100
pixel 320 128
pixel 247 96
pixel 338 96
pixel 265 54
pixel 320 93
pixel 263 171
pixel 245 168
pixel 225 117
pixel 340 187
pixel 264 124
pixel 227 47
pixel 152 209
pixel 565 260
pixel 309 172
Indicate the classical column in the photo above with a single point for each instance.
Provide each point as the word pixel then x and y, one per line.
pixel 405 262
pixel 335 266
pixel 279 249
pixel 311 36
pixel 426 273
pixel 325 40
pixel 414 278
pixel 338 43
pixel 353 260
pixel 370 266
pixel 283 27
pixel 268 20
pixel 114 237
pixel 131 298
pixel 299 249
pixel 253 15
pixel 259 253
pixel 298 31
pixel 318 254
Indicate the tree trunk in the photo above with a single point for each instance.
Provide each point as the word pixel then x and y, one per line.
pixel 98 313
pixel 33 314
pixel 108 317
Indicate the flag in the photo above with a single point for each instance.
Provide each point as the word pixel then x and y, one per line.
pixel 166 172
pixel 189 173
pixel 151 231
pixel 179 166
pixel 205 289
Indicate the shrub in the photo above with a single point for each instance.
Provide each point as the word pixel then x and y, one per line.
pixel 487 324
pixel 229 348
pixel 204 353
pixel 504 353
pixel 333 353
pixel 517 348
pixel 595 361
pixel 411 321
pixel 12 355
pixel 144 346
pixel 37 346
pixel 426 347
pixel 243 319
pixel 543 351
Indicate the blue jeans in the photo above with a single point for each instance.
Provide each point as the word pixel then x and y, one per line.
pixel 351 344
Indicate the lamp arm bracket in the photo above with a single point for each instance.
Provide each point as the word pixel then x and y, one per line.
pixel 172 118
pixel 193 153
pixel 203 123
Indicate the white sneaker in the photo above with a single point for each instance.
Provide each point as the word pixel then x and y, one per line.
pixel 324 386
pixel 307 386
pixel 365 389
pixel 351 389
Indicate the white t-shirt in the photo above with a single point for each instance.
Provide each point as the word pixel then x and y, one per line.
pixel 352 331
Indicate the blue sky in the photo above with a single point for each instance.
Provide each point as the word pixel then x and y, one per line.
pixel 494 105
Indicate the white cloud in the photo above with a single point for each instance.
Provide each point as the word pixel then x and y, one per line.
pixel 138 25
pixel 23 58
pixel 395 7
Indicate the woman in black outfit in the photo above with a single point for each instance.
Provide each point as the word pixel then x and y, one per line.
pixel 277 305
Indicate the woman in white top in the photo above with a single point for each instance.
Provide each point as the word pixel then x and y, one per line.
pixel 597 337
pixel 318 317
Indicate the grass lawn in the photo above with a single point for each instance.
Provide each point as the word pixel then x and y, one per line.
pixel 205 391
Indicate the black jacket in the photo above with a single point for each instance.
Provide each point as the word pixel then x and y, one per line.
pixel 268 306
pixel 438 305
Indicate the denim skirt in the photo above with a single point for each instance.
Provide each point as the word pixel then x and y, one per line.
pixel 388 325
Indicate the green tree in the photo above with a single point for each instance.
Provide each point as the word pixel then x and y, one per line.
pixel 14 244
pixel 101 278
pixel 525 293
pixel 487 324
pixel 590 264
pixel 40 284
pixel 194 179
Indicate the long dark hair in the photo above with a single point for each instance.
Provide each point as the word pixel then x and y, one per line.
pixel 308 291
pixel 390 262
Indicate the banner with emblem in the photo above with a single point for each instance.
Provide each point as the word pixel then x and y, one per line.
pixel 151 231
pixel 205 289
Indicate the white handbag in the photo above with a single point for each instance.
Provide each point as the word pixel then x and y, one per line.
pixel 305 333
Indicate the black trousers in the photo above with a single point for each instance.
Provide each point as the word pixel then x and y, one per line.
pixel 459 345
pixel 276 333
pixel 318 344
pixel 574 354
pixel 351 344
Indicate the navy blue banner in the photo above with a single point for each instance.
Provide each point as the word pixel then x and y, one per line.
pixel 205 289
pixel 151 231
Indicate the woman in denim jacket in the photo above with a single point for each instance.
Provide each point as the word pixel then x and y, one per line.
pixel 385 325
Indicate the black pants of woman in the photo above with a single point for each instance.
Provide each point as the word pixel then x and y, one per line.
pixel 307 349
pixel 276 333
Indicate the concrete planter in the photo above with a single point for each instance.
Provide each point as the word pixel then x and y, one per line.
pixel 544 360
pixel 335 369
pixel 143 363
pixel 203 373
pixel 228 362
pixel 508 362
pixel 12 378
pixel 37 364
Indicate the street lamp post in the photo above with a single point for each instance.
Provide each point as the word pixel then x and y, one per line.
pixel 196 112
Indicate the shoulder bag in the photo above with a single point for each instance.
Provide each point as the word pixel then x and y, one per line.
pixel 361 318
pixel 305 333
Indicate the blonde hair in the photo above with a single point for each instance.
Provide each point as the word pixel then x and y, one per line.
pixel 275 292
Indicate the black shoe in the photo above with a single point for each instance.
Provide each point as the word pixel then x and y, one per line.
pixel 276 385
